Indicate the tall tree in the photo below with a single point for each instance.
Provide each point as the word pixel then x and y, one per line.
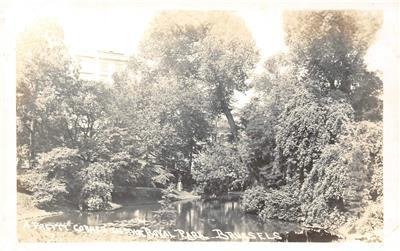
pixel 329 47
pixel 214 48
pixel 302 91
pixel 168 119
pixel 44 69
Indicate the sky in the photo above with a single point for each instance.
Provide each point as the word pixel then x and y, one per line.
pixel 119 27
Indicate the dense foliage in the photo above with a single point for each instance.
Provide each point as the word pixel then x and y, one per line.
pixel 253 199
pixel 219 168
pixel 282 203
pixel 306 125
pixel 57 180
pixel 307 147
pixel 213 50
pixel 315 127
pixel 97 186
pixel 150 125
pixel 347 177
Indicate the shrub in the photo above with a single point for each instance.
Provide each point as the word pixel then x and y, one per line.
pixel 51 194
pixel 282 204
pixel 56 178
pixel 253 199
pixel 60 163
pixel 28 181
pixel 346 178
pixel 219 169
pixel 97 187
pixel 323 191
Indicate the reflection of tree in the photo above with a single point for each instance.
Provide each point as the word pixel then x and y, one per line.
pixel 215 214
pixel 93 219
pixel 166 216
pixel 185 217
pixel 199 216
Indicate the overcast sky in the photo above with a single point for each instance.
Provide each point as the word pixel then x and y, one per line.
pixel 119 26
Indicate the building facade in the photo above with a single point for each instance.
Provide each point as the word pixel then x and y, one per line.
pixel 101 65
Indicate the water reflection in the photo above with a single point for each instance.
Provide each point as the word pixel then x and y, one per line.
pixel 198 215
pixel 227 216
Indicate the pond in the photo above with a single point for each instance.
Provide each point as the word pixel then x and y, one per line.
pixel 194 215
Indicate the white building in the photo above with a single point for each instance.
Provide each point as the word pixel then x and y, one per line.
pixel 101 65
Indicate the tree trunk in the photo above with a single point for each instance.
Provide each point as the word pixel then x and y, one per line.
pixel 32 143
pixel 231 122
pixel 301 178
pixel 190 159
pixel 225 109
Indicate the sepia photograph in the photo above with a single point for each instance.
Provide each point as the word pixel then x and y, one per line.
pixel 145 121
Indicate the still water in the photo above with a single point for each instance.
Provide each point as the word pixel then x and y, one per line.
pixel 195 215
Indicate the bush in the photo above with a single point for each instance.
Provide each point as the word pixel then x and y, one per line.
pixel 28 181
pixel 62 179
pixel 346 178
pixel 61 163
pixel 97 188
pixel 219 169
pixel 324 191
pixel 282 204
pixel 55 181
pixel 253 199
pixel 50 194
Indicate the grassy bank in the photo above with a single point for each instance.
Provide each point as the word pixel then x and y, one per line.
pixel 27 211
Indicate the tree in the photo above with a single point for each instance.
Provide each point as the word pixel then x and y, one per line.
pixel 211 49
pixel 83 115
pixel 60 122
pixel 167 116
pixel 314 108
pixel 259 122
pixel 134 131
pixel 44 72
pixel 305 127
pixel 329 48
pixel 322 71
pixel 274 87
